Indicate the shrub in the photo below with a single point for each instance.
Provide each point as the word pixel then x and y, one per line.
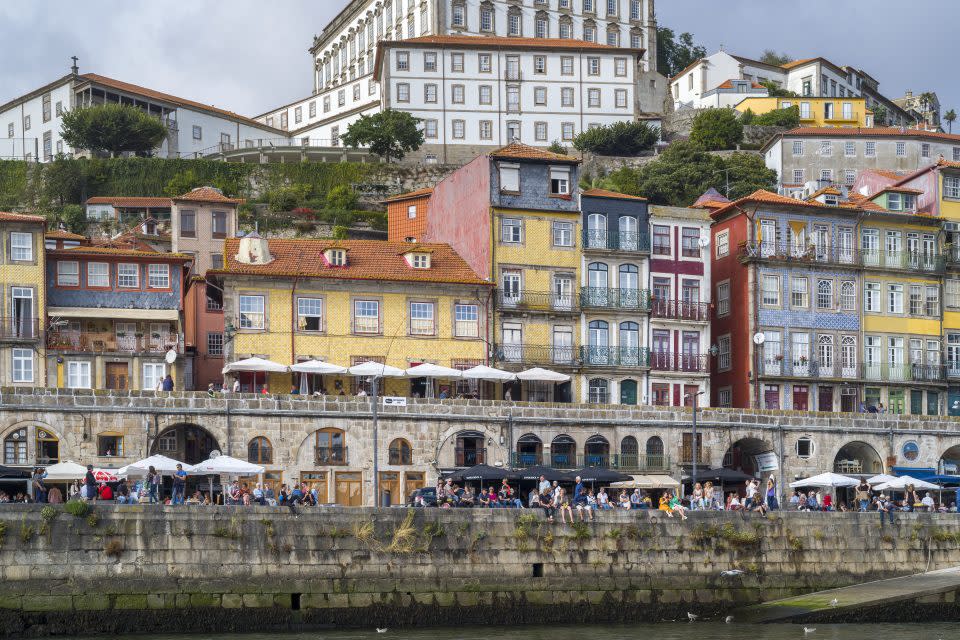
pixel 341 197
pixel 26 532
pixel 404 536
pixel 77 508
pixel 581 531
pixel 617 139
pixel 715 129
pixel 739 538
pixel 287 198
pixel 747 117
pixel 113 548
pixel 557 147
pixel 788 118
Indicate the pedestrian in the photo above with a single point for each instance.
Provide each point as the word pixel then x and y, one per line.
pixel 179 484
pixel 153 484
pixel 863 495
pixel 90 484
pixel 772 503
pixel 885 506
pixel 211 391
pixel 696 500
pixel 236 385
pixel 168 383
pixel 749 503
pixel 39 490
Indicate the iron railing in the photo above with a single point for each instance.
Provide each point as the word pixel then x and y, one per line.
pixel 19 328
pixel 679 309
pixel 630 241
pixel 110 342
pixel 686 362
pixel 900 372
pixel 620 461
pixel 330 455
pixel 597 356
pixel 909 260
pixel 537 301
pixel 804 253
pixel 610 298
pixel 537 354
pixel 810 368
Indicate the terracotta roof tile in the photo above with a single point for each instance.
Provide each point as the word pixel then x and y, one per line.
pixel 897 189
pixel 728 84
pixel 883 173
pixel 604 193
pixel 711 198
pixel 768 197
pixel 115 251
pixel 6 216
pixel 60 234
pixel 521 151
pixel 797 63
pixel 132 201
pixel 829 190
pixel 367 260
pixel 946 163
pixel 208 194
pixel 419 193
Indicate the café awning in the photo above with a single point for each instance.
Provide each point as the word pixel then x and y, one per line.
pixel 113 313
pixel 255 365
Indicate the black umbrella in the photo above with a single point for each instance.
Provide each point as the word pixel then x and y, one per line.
pixel 722 475
pixel 598 475
pixel 11 473
pixel 482 472
pixel 534 473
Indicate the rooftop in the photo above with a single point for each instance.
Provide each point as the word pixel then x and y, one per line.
pixel 520 151
pixel 208 194
pixel 60 234
pixel 419 193
pixel 120 253
pixel 137 202
pixel 6 216
pixel 604 193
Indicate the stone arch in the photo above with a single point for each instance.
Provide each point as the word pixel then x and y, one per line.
pixel 185 441
pixel 529 450
pixel 31 428
pixel 949 462
pixel 629 453
pixel 563 452
pixel 596 451
pixel 740 456
pixel 857 457
pixel 445 451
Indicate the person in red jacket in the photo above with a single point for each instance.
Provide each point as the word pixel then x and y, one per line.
pixel 106 493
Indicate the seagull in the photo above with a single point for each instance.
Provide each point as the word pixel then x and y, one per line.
pixel 834 602
pixel 379 630
pixel 732 573
pixel 728 619
pixel 692 616
pixel 808 630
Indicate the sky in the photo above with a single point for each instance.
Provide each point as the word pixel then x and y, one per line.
pixel 250 56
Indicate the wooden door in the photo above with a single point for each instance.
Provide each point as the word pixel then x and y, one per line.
pixel 390 487
pixel 349 488
pixel 118 375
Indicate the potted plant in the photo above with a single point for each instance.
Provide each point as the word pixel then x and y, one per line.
pixel 778 357
pixel 155 335
pixel 802 359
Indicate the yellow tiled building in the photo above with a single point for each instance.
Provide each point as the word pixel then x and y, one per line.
pixel 816 112
pixel 22 272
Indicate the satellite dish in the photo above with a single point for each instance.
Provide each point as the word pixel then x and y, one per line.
pixel 214 454
pixel 171 356
pixel 759 338
pixel 704 242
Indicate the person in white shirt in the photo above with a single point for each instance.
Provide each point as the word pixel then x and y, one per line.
pixel 927 501
pixel 751 494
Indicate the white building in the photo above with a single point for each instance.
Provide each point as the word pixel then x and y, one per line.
pixel 344 54
pixel 30 124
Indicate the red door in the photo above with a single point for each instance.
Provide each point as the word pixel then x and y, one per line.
pixel 825 399
pixel 801 397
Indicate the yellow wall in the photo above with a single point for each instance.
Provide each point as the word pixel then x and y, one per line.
pixel 896 324
pixel 22 274
pixel 949 209
pixel 816 119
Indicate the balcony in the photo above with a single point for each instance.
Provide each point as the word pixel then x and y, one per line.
pixel 512 75
pixel 465 457
pixel 109 342
pixel 680 310
pixel 898 372
pixel 804 254
pixel 880 372
pixel 537 301
pixel 906 260
pixel 19 329
pixel 608 298
pixel 595 356
pixel 807 368
pixel 953 256
pixel 682 362
pixel 564 356
pixel 629 241
pixel 330 456
pixel 628 462
pixel 841 117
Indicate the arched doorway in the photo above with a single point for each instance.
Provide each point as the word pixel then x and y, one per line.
pixel 470 449
pixel 188 443
pixel 741 455
pixel 858 458
pixel 529 451
pixel 654 450
pixel 596 452
pixel 629 453
pixel 949 463
pixel 563 452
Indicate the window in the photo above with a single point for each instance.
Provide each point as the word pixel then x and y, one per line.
pixel 620 67
pixel 466 321
pixel 771 291
pixel 848 296
pixel 511 230
pixel 326 104
pixel 458 16
pixel 562 234
pixel 559 181
pixel 128 276
pixel 510 178
pixel 459 129
pixel 486 94
pixel 251 312
pixel 366 316
pixel 723 298
pixel 403 92
pixel 310 314
pixel 188 223
pixel 158 276
pixel 850 148
pixel 956 154
pixel 798 147
pixel 925 150
pixel 849 176
pixel 484 63
pixel 78 375
pixel 593 98
pixel 430 61
pixel 412 211
pixel 513 24
pixel 599 392
pixel 22 365
pixel 871 296
pixel 952 293
pixel 400 452
pixel 620 97
pixel 566 66
pixel 260 451
pixel 98 274
pixel 951 187
pixel 661 240
pixel 901 149
pixel 722 242
pixel 486 19
pixel 540 95
pixel 824 294
pixel 870 149
pixel 298 114
pixel 356 92
pixel 894 298
pixel 26 123
pixel 540 131
pixel 804 447
pixel 588 6
pixel 403 60
pixel 539 64
pixel 593 66
pixel 826 148
pixel 612 7
pixel 566 97
pixel 932 301
pixel 421 319
pixel 430 128
pixel 690 242
pixel 68 273
pixel 197 132
pixel 486 130
pixel 429 93
pixel 21 246
pixel 312 109
pixel 723 353
pixel 214 344
pixel 798 176
pixel 799 292
pixel 456 62
pixel 153 374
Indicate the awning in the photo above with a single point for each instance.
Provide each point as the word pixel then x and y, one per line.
pixel 255 365
pixel 113 313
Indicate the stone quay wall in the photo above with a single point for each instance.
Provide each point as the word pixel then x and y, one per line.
pixel 78 417
pixel 144 568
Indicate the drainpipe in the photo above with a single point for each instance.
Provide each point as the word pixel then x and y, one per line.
pixel 229 424
pixel 293 320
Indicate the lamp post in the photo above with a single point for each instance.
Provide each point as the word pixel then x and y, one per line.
pixel 693 469
pixel 376 468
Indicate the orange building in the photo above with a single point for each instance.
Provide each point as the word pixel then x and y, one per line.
pixel 407 215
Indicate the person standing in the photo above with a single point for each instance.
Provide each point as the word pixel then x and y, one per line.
pixel 39 490
pixel 168 383
pixel 772 503
pixel 863 495
pixel 153 483
pixel 179 485
pixel 90 484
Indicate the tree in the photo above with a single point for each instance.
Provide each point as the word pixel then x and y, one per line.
pixel 715 129
pixel 389 134
pixel 112 128
pixel 788 118
pixel 341 197
pixel 74 218
pixel 747 172
pixel 776 59
pixel 950 116
pixel 557 147
pixel 776 91
pixel 676 54
pixel 617 139
pixel 879 114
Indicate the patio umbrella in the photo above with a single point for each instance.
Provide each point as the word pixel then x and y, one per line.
pixel 826 480
pixel 483 472
pixel 880 478
pixel 68 470
pixel 538 374
pixel 318 367
pixel 658 481
pixel 10 472
pixel 721 475
pixel 534 473
pixel 598 475
pixel 900 483
pixel 370 369
pixel 161 464
pixel 225 466
pixel 433 371
pixel 489 374
pixel 255 366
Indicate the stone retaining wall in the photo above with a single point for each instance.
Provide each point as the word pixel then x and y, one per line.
pixel 149 568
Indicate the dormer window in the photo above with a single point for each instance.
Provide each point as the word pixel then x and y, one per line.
pixel 894 202
pixel 909 202
pixel 559 181
pixel 831 200
pixel 418 260
pixel 336 257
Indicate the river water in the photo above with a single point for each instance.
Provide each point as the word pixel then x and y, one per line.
pixel 664 631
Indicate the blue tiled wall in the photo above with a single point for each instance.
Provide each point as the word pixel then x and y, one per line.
pixel 534 188
pixel 121 299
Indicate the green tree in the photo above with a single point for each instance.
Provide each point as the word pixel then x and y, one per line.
pixel 879 114
pixel 715 129
pixel 950 116
pixel 617 139
pixel 181 183
pixel 747 172
pixel 776 59
pixel 557 147
pixel 287 198
pixel 389 134
pixel 674 53
pixel 776 91
pixel 64 182
pixel 788 118
pixel 112 128
pixel 74 217
pixel 341 197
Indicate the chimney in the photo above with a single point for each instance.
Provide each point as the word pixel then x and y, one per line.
pixel 253 250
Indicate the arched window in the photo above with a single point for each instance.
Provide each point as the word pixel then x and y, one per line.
pixel 629 278
pixel 825 294
pixel 596 452
pixel 15 447
pixel 597 275
pixel 529 450
pixel 599 391
pixel 629 233
pixel 596 231
pixel 331 447
pixel 848 297
pixel 48 448
pixel 654 446
pixel 400 452
pixel 629 453
pixel 260 451
pixel 563 452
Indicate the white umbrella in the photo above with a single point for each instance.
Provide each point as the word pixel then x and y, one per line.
pixel 225 465
pixel 900 483
pixel 318 367
pixel 68 470
pixel 162 464
pixel 428 370
pixel 538 374
pixel 880 478
pixel 489 374
pixel 255 365
pixel 826 480
pixel 370 369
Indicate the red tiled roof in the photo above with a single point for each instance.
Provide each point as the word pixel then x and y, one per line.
pixel 831 190
pixel 883 173
pixel 897 189
pixel 419 193
pixel 6 216
pixel 119 85
pixel 521 151
pixel 767 197
pixel 946 163
pixel 132 201
pixel 686 68
pixel 880 132
pixel 797 63
pixel 603 193
pixel 60 234
pixel 367 260
pixel 728 84
pixel 114 251
pixel 208 194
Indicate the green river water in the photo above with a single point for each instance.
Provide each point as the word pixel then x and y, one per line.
pixel 663 631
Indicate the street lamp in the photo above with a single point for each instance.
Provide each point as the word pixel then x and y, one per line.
pixel 693 470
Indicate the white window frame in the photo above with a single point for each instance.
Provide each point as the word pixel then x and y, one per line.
pixel 21 246
pixel 251 312
pixel 722 243
pixel 127 275
pixel 78 375
pixel 68 277
pixel 22 365
pixel 153 375
pixel 158 276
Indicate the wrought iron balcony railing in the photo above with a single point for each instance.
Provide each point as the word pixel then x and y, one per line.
pixel 670 361
pixel 110 342
pixel 837 254
pixel 629 241
pixel 525 300
pixel 470 457
pixel 597 356
pixel 679 309
pixel 908 260
pixel 561 356
pixel 620 461
pixel 15 329
pixel 609 298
